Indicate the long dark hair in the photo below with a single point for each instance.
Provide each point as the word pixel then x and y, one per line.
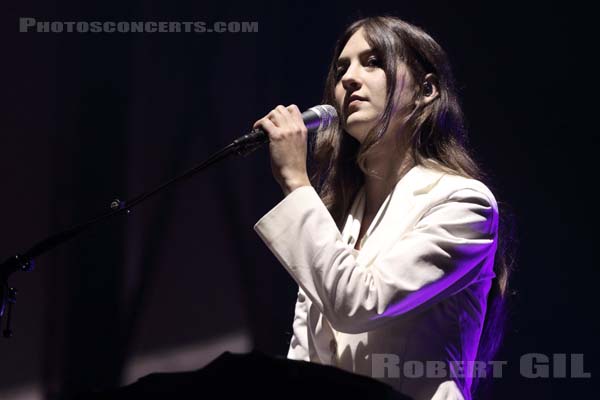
pixel 436 132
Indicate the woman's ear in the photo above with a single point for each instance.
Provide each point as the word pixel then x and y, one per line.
pixel 429 89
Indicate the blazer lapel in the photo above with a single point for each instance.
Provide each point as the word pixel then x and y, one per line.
pixel 391 218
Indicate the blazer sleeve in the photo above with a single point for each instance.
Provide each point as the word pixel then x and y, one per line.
pixel 442 254
pixel 298 349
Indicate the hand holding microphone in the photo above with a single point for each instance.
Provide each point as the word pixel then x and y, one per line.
pixel 287 131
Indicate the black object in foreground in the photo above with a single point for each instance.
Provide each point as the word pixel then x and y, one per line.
pixel 253 375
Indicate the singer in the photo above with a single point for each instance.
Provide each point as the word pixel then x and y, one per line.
pixel 396 249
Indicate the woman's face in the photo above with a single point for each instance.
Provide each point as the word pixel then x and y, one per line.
pixel 360 74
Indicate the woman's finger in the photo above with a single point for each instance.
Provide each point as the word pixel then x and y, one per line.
pixel 295 112
pixel 279 116
pixel 268 126
pixel 262 120
pixel 290 120
pixel 296 116
pixel 282 116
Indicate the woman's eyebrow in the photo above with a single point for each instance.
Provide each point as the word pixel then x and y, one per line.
pixel 343 60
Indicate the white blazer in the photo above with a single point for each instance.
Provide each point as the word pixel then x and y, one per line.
pixel 414 296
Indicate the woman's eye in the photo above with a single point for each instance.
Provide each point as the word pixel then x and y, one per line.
pixel 373 61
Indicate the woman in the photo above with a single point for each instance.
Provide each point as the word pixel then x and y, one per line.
pixel 395 258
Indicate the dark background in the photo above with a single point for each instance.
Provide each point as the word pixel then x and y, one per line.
pixel 87 118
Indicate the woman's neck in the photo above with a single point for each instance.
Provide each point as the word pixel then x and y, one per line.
pixel 389 173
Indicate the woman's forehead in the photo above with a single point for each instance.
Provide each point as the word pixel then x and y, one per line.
pixel 357 44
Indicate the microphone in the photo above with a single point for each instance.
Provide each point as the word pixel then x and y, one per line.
pixel 317 119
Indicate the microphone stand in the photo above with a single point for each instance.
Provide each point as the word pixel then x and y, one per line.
pixel 25 261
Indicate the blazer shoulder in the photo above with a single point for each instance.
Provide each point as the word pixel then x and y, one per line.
pixel 450 184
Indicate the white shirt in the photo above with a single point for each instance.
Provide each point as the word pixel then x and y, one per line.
pixel 415 293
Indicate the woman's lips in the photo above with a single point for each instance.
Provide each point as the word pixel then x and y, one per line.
pixel 354 104
pixel 355 101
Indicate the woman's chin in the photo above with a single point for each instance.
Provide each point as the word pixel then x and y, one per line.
pixel 358 127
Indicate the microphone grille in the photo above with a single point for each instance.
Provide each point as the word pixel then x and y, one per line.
pixel 327 115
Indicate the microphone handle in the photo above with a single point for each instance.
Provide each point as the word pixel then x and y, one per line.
pixel 248 143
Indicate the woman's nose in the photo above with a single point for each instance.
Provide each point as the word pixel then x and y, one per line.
pixel 351 80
